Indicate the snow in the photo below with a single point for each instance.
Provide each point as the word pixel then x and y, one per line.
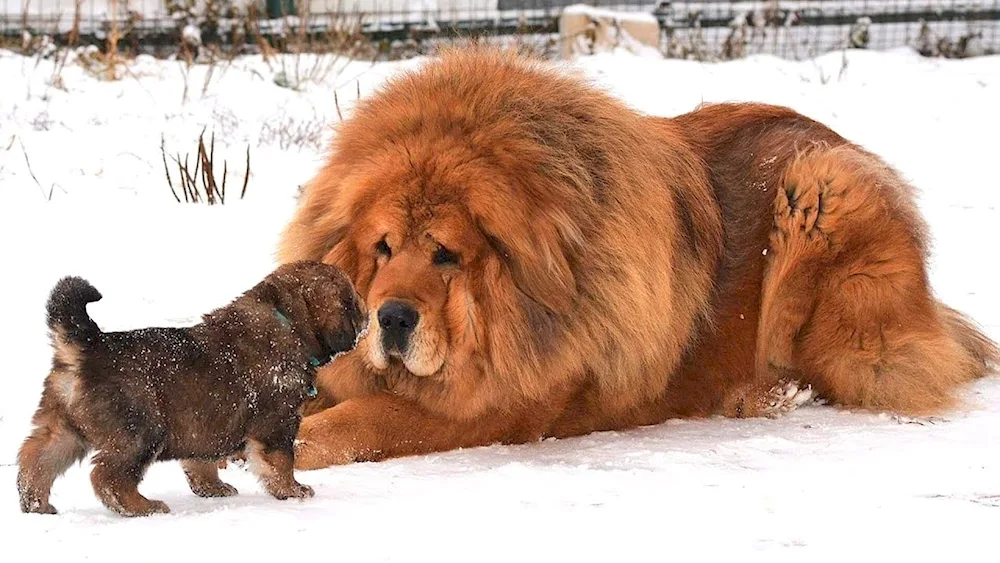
pixel 818 482
pixel 191 35
pixel 613 15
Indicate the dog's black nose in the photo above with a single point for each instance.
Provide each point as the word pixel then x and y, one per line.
pixel 397 320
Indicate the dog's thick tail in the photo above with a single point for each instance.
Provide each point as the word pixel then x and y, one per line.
pixel 67 311
pixel 983 352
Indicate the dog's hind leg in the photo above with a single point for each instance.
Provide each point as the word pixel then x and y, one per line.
pixel 118 469
pixel 203 478
pixel 847 303
pixel 47 453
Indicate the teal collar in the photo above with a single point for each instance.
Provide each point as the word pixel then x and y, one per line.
pixel 284 320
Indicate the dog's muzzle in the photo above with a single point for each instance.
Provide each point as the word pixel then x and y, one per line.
pixel 397 321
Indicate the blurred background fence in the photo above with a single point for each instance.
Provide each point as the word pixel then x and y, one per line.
pixel 707 29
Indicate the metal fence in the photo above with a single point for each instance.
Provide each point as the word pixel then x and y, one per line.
pixel 693 29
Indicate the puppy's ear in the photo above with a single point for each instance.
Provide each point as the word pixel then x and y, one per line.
pixel 280 294
pixel 266 292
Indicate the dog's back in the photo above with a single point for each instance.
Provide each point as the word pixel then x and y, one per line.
pixel 85 354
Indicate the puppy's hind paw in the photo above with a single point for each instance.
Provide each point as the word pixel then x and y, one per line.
pixel 37 507
pixel 214 490
pixel 158 507
pixel 302 491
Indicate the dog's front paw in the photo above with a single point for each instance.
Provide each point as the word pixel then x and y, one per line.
pixel 319 454
pixel 322 442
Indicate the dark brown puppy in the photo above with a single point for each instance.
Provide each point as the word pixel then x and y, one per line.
pixel 235 382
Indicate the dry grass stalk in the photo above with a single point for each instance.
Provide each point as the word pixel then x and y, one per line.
pixel 31 172
pixel 253 25
pixel 112 48
pixel 74 32
pixel 336 102
pixel 25 36
pixel 289 132
pixel 201 185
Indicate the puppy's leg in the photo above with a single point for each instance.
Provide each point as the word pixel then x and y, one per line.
pixel 271 459
pixel 203 478
pixel 118 469
pixel 47 453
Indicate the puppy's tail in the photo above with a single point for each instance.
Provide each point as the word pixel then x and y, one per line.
pixel 67 311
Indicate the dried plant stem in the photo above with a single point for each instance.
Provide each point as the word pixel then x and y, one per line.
pixel 32 172
pixel 201 184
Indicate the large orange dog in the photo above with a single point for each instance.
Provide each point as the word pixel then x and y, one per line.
pixel 540 260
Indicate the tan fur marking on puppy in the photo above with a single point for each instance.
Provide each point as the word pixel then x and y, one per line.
pixel 274 468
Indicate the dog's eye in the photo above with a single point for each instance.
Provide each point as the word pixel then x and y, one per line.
pixel 443 256
pixel 382 248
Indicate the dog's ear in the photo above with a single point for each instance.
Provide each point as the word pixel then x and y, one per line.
pixel 539 267
pixel 282 294
pixel 267 292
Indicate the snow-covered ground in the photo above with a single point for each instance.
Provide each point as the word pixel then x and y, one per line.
pixel 817 483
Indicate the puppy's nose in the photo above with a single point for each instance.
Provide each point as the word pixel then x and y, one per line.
pixel 397 320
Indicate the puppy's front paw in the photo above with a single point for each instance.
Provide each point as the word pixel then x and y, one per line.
pixel 297 490
pixel 144 509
